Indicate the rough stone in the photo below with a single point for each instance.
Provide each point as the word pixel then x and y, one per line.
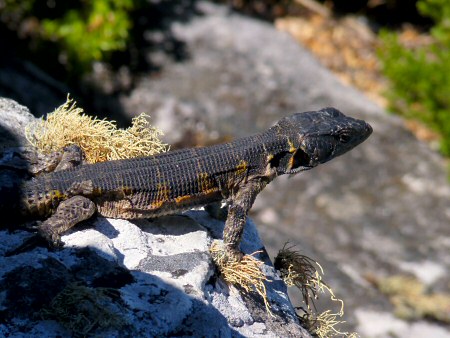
pixel 135 278
pixel 382 209
pixel 374 212
pixel 12 124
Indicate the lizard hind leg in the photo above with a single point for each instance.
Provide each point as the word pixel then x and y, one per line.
pixel 69 213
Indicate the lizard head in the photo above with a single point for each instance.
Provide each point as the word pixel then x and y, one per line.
pixel 316 137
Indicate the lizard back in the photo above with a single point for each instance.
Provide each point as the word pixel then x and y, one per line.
pixel 156 185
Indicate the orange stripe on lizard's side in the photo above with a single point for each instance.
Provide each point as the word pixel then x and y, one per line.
pixel 162 195
pixel 181 199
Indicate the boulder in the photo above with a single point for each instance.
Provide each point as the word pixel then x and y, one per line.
pixel 142 278
pixel 382 209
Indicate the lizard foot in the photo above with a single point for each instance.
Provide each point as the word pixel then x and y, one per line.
pixel 30 244
pixel 53 238
pixel 223 254
pixel 241 270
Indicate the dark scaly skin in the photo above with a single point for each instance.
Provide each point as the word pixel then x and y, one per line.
pixel 176 181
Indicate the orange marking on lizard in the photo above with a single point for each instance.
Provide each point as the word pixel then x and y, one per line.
pixel 292 148
pixel 56 194
pixel 205 182
pixel 241 168
pixel 182 199
pixel 127 190
pixel 291 162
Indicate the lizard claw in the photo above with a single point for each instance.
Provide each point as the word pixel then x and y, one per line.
pixel 28 245
pixel 223 254
pixel 53 239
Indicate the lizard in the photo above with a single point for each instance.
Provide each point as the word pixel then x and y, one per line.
pixel 176 181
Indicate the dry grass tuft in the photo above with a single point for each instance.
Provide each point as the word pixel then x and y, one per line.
pixel 326 323
pixel 307 275
pixel 297 270
pixel 99 139
pixel 82 309
pixel 245 273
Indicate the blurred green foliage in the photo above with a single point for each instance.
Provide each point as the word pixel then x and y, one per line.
pixel 93 31
pixel 85 31
pixel 420 77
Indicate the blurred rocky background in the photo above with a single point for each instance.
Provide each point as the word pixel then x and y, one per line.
pixel 376 219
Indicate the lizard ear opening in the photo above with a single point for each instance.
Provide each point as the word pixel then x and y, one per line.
pixel 299 161
pixel 291 163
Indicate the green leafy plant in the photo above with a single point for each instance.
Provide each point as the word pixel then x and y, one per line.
pixel 83 31
pixel 419 77
pixel 93 31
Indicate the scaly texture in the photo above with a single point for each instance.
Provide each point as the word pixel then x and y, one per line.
pixel 171 182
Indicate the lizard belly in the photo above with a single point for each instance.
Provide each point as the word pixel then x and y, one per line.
pixel 138 206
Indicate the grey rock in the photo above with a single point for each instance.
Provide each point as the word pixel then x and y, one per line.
pixel 382 209
pixel 13 119
pixel 164 281
pixel 135 279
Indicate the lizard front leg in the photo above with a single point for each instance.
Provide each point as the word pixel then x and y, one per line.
pixel 72 156
pixel 67 214
pixel 36 163
pixel 240 203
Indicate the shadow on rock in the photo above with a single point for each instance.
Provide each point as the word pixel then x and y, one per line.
pixel 80 292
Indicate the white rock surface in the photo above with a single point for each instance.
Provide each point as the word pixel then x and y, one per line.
pixel 159 274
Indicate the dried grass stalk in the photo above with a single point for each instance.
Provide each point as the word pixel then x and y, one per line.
pixel 245 273
pixel 99 139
